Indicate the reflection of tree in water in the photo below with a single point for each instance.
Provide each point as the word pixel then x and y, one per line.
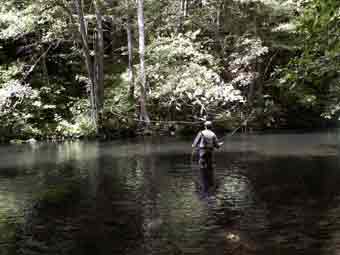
pixel 150 200
pixel 83 209
pixel 231 208
pixel 173 216
pixel 12 206
pixel 294 209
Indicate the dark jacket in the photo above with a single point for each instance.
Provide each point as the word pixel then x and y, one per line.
pixel 206 139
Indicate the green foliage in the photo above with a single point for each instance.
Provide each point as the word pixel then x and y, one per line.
pixel 10 72
pixel 48 17
pixel 16 103
pixel 312 79
pixel 182 74
pixel 40 105
pixel 14 23
pixel 213 59
pixel 119 113
pixel 80 126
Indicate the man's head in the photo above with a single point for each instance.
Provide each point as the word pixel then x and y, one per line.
pixel 208 124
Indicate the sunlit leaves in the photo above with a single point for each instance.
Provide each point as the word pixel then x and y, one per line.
pixel 181 72
pixel 48 16
pixel 10 72
pixel 13 89
pixel 15 23
pixel 242 61
pixel 313 77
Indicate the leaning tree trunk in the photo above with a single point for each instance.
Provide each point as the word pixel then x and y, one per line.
pixel 88 61
pixel 143 87
pixel 99 57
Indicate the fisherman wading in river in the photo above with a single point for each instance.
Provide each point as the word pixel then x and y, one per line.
pixel 205 142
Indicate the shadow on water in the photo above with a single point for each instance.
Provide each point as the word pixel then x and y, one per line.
pixel 145 197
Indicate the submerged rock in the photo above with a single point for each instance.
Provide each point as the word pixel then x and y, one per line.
pixel 232 237
pixel 239 244
pixel 31 141
pixel 154 224
pixel 16 141
pixel 36 246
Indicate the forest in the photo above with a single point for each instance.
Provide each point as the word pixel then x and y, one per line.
pixel 109 68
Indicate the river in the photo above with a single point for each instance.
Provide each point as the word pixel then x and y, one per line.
pixel 274 194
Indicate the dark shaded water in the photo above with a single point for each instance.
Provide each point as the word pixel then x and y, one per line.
pixel 275 194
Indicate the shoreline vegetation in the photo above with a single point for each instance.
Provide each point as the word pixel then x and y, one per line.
pixel 178 132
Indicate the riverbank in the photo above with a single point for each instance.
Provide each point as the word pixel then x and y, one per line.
pixel 171 133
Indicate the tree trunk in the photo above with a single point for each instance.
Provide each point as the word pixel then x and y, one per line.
pixel 218 16
pixel 181 17
pixel 219 21
pixel 99 66
pixel 130 53
pixel 141 30
pixel 143 87
pixel 185 8
pixel 251 92
pixel 45 70
pixel 88 61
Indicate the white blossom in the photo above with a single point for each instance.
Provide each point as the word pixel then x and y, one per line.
pixel 242 61
pixel 285 27
pixel 14 89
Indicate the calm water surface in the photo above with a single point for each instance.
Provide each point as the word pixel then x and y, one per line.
pixel 275 194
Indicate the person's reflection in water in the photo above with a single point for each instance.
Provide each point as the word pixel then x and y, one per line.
pixel 206 141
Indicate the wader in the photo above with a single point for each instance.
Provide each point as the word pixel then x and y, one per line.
pixel 206 142
pixel 206 168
